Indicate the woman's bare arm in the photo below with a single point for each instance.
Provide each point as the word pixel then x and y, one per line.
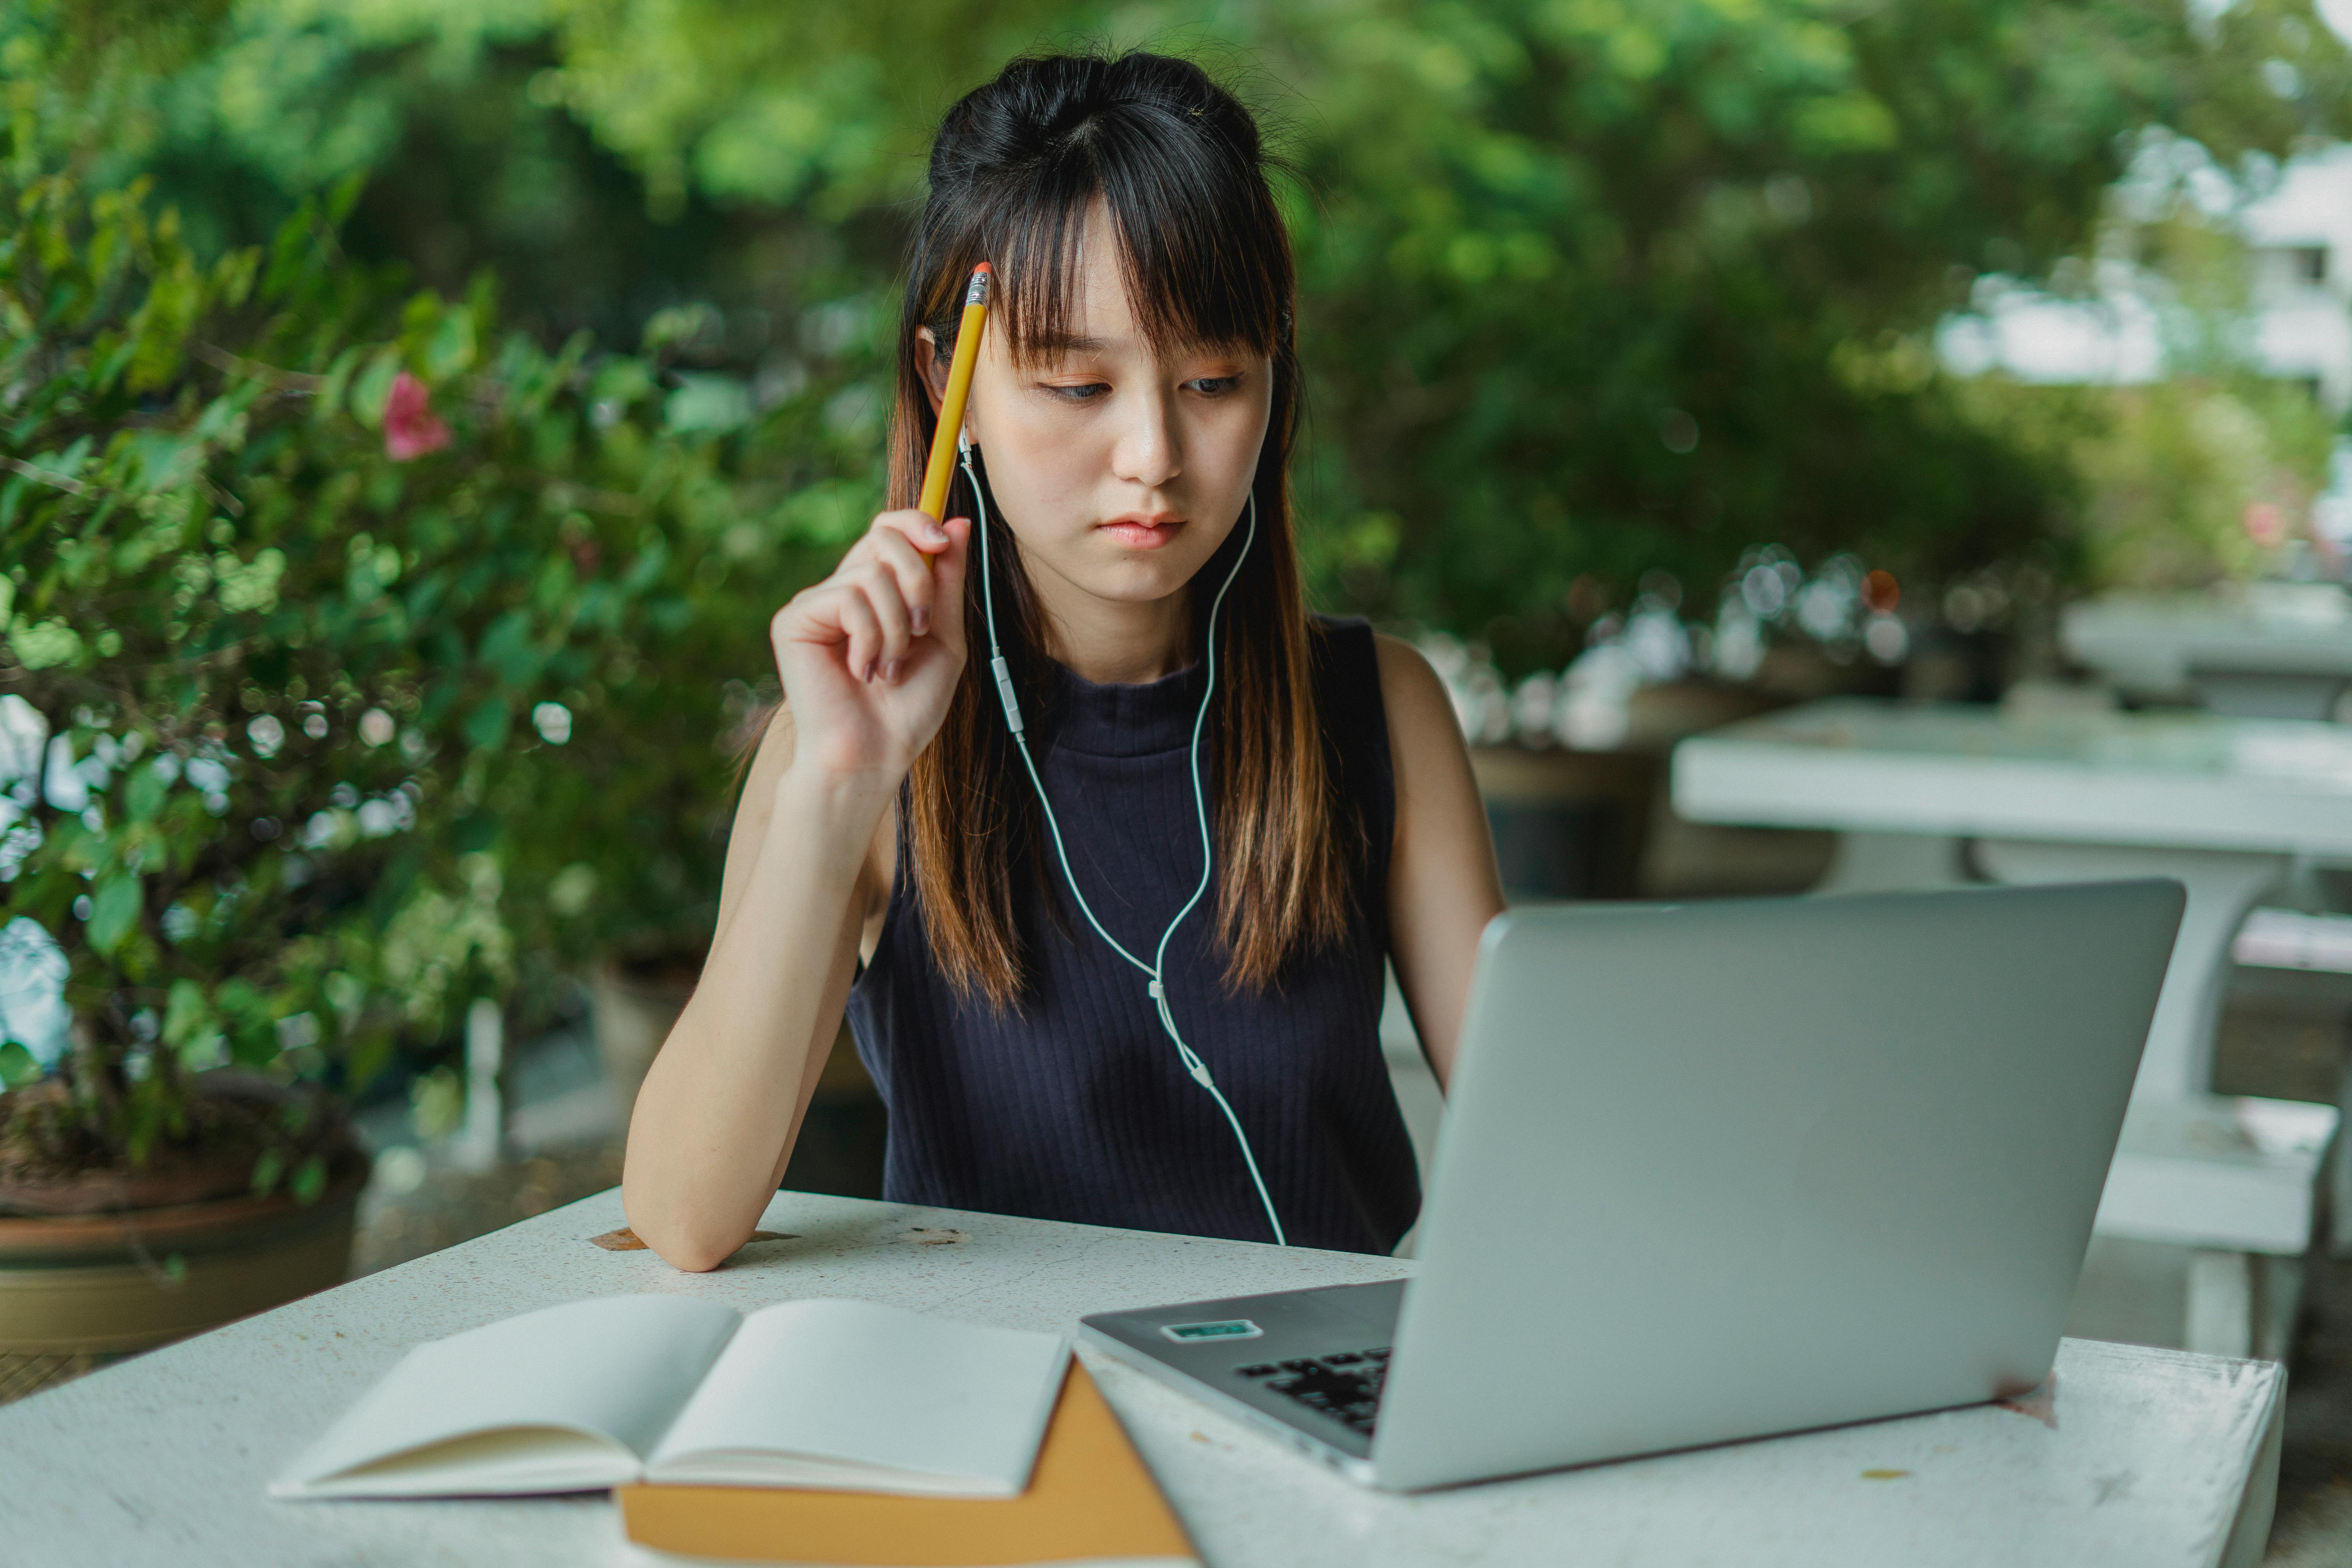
pixel 722 1103
pixel 870 660
pixel 1442 885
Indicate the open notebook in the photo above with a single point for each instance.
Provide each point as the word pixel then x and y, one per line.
pixel 671 1389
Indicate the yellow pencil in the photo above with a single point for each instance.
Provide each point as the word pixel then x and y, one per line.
pixel 940 472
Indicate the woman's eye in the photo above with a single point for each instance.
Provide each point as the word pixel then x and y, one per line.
pixel 1085 392
pixel 1214 385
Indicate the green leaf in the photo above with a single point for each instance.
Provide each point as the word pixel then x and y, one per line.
pixel 143 796
pixel 45 644
pixel 253 1045
pixel 188 1016
pixel 310 1179
pixel 330 401
pixel 372 388
pixel 486 726
pixel 704 403
pixel 240 998
pixel 450 349
pixel 266 1171
pixel 370 1055
pixel 343 195
pixel 506 650
pixel 114 910
pixel 18 1065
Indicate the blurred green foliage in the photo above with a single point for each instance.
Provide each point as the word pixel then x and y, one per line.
pixel 2170 471
pixel 342 641
pixel 1590 288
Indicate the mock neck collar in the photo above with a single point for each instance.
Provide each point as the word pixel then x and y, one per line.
pixel 1118 719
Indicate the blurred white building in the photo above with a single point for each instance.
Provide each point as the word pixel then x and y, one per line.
pixel 2121 325
pixel 2301 235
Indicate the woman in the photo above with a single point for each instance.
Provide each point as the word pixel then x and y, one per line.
pixel 1069 1010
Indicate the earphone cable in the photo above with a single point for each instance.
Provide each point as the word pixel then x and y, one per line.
pixel 1194 1066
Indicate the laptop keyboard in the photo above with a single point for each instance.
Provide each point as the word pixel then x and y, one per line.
pixel 1346 1386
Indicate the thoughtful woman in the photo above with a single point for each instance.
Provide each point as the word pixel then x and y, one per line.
pixel 1130 975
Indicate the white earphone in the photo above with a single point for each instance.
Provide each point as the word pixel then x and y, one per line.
pixel 1193 1064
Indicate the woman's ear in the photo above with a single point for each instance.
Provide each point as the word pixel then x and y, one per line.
pixel 932 366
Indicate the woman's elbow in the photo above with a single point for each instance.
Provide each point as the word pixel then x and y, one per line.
pixel 682 1247
pixel 692 1254
pixel 688 1255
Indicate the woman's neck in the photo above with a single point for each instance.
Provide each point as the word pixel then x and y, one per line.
pixel 1113 642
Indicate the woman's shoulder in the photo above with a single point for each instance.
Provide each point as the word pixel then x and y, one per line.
pixel 1343 651
pixel 1357 661
pixel 1342 646
pixel 1379 694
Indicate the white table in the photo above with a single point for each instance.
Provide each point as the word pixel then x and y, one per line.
pixel 2222 803
pixel 2149 1459
pixel 2272 650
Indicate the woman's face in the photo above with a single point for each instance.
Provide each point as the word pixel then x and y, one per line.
pixel 1119 473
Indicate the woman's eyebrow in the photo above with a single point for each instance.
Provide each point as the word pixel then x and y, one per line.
pixel 1053 345
pixel 1067 343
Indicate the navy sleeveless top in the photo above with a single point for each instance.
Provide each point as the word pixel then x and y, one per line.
pixel 1072 1104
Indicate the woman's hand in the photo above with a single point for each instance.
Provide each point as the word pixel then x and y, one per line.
pixel 871 656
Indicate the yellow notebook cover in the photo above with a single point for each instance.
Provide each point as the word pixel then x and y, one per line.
pixel 1090 1501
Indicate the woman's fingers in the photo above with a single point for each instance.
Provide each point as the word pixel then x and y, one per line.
pixel 947 588
pixel 906 573
pixel 909 572
pixel 863 631
pixel 879 586
pixel 923 537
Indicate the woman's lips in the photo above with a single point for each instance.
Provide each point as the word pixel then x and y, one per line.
pixel 1137 534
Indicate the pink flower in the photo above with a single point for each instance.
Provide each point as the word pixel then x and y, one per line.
pixel 410 430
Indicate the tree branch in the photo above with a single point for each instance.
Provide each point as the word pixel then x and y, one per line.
pixel 268 375
pixel 43 477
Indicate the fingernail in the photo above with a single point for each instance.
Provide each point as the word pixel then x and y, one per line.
pixel 890 671
pixel 921 620
pixel 935 534
pixel 869 672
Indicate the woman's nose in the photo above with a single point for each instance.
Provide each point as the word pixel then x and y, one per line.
pixel 1150 453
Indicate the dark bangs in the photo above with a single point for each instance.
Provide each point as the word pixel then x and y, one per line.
pixel 1203 248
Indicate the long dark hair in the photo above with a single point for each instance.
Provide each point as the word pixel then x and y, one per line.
pixel 1179 164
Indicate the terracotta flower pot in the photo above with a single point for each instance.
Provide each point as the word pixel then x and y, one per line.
pixel 83 1283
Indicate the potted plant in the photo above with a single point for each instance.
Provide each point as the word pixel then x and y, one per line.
pixel 316 608
pixel 630 836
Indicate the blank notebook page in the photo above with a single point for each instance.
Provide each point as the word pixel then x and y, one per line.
pixel 876 1395
pixel 618 1365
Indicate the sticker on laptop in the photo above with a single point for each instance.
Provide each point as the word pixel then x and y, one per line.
pixel 1222 1328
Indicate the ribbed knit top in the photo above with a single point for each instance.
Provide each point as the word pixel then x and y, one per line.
pixel 1074 1105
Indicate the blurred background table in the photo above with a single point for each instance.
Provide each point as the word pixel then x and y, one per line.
pixel 2140 1457
pixel 2271 650
pixel 2221 804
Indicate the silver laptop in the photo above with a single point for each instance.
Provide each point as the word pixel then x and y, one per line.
pixel 1719 1169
